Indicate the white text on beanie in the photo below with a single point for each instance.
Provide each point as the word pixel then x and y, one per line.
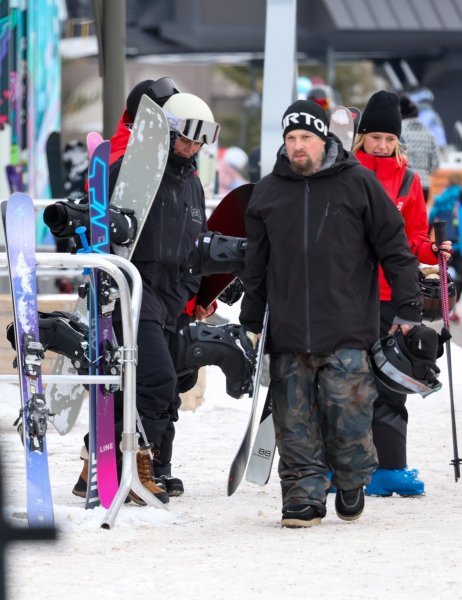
pixel 307 115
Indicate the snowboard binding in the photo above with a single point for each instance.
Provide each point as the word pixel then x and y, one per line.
pixel 60 332
pixel 63 218
pixel 215 253
pixel 201 344
pixel 198 345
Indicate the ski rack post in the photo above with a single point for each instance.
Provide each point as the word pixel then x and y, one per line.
pixel 440 236
pixel 130 304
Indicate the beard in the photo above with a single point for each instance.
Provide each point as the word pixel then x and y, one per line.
pixel 307 166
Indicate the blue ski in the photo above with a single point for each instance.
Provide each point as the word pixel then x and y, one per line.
pixel 19 221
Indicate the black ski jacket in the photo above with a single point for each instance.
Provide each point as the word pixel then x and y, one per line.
pixel 314 244
pixel 166 242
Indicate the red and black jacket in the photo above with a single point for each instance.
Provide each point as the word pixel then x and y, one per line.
pixel 405 190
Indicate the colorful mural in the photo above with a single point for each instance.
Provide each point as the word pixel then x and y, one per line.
pixel 30 92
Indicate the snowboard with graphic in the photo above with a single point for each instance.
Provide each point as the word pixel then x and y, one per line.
pixel 142 167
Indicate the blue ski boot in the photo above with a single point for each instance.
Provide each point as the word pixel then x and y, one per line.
pixel 403 482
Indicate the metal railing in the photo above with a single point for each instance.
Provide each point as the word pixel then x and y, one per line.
pixel 130 303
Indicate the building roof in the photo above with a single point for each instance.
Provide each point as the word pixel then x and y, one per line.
pixel 355 28
pixel 395 15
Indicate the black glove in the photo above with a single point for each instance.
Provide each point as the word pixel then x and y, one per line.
pixel 409 313
pixel 422 343
pixel 443 337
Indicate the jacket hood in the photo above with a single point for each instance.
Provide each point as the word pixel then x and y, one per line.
pixel 336 159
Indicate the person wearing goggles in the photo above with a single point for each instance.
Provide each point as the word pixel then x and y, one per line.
pixel 162 255
pixel 197 130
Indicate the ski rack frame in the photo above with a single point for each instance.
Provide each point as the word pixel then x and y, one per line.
pixel 130 303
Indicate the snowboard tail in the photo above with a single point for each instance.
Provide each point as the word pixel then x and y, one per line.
pixel 264 446
pixel 238 466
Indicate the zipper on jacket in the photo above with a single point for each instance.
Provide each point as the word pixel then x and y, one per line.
pixel 161 232
pixel 180 245
pixel 173 223
pixel 324 217
pixel 306 260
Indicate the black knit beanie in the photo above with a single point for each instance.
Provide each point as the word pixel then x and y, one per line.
pixel 382 113
pixel 308 115
pixel 408 108
pixel 134 97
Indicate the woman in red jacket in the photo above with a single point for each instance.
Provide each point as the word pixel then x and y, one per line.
pixel 377 147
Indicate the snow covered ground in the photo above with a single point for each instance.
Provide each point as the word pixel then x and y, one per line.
pixel 210 546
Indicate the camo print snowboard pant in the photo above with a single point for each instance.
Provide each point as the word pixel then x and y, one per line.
pixel 322 411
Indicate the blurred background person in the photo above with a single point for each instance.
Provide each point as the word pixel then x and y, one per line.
pixel 232 169
pixel 421 147
pixel 447 207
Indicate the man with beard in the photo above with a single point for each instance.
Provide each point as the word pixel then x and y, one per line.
pixel 317 228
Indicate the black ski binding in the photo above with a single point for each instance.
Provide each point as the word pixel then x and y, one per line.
pixel 36 425
pixel 34 353
pixel 111 363
pixel 82 289
pixel 108 294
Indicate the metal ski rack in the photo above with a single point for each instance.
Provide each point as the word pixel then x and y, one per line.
pixel 118 268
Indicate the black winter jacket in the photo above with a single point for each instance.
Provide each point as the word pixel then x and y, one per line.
pixel 166 242
pixel 314 244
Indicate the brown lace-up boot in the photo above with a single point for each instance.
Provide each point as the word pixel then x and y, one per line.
pixel 144 465
pixel 80 488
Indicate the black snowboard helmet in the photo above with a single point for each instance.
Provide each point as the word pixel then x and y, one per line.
pixel 407 364
pixel 430 286
pixel 159 91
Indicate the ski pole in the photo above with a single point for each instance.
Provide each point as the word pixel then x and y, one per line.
pixel 440 236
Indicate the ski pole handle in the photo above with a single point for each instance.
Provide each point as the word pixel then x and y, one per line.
pixel 85 249
pixel 80 231
pixel 440 232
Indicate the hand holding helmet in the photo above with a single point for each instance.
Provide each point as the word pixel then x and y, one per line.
pixel 407 364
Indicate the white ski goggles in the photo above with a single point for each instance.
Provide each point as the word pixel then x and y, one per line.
pixel 203 132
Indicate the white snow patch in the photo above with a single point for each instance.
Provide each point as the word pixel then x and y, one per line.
pixel 214 547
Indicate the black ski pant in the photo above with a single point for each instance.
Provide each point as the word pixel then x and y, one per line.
pixel 157 398
pixel 389 423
